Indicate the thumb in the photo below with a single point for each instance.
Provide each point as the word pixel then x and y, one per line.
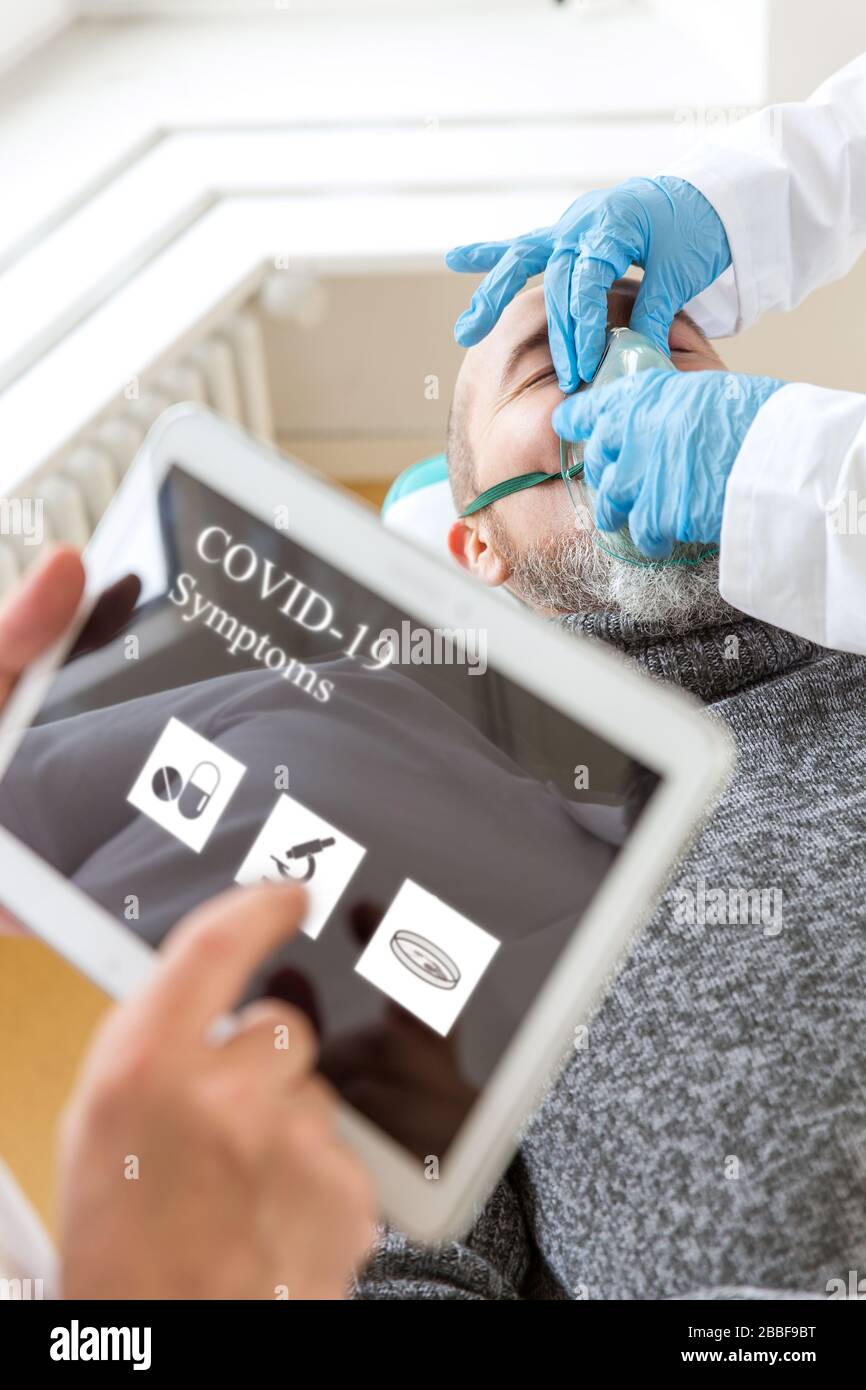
pixel 38 611
pixel 577 416
pixel 611 514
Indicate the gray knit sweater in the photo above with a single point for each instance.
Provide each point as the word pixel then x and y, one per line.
pixel 711 1139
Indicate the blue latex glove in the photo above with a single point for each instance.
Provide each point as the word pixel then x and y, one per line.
pixel 659 448
pixel 664 225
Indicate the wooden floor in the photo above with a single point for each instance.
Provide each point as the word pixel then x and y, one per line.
pixel 47 1013
pixel 372 492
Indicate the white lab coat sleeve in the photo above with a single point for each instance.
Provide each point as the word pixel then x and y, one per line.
pixel 789 184
pixel 793 544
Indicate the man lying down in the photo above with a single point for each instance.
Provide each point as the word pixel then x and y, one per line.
pixel 711 1137
pixel 533 541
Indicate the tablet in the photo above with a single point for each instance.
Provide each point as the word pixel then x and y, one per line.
pixel 264 683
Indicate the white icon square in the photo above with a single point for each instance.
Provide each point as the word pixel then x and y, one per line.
pixel 295 843
pixel 186 784
pixel 427 956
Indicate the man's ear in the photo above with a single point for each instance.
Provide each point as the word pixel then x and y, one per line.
pixel 474 552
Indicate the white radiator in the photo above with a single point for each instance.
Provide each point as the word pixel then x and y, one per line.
pixel 226 371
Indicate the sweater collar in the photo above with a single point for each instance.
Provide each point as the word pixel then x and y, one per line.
pixel 711 662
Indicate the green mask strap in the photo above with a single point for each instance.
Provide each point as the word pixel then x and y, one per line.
pixel 523 480
pixel 511 485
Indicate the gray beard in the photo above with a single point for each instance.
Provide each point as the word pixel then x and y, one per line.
pixel 572 575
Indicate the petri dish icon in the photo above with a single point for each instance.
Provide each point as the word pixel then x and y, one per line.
pixel 425 959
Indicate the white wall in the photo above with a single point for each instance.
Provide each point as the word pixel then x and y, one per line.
pixel 187 8
pixel 734 32
pixel 23 26
pixel 350 393
pixel 808 40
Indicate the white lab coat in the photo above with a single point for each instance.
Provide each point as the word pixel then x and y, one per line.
pixel 789 184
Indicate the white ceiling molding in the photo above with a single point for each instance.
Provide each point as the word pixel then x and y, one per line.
pixel 384 140
pixel 208 272
pixel 51 285
pixel 24 28
pixel 376 147
pixel 104 88
pixel 193 218
pixel 327 8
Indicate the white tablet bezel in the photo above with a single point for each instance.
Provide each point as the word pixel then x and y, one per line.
pixel 654 724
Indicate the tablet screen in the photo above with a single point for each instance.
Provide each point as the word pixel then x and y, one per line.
pixel 237 709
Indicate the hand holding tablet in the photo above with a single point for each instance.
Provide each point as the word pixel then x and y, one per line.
pixel 217 1168
pixel 35 615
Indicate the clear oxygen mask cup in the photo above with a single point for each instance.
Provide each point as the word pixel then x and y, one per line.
pixel 625 354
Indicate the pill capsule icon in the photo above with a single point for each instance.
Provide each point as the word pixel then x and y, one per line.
pixel 203 782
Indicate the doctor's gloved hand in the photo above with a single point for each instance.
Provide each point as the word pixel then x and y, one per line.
pixel 243 1188
pixel 664 225
pixel 659 448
